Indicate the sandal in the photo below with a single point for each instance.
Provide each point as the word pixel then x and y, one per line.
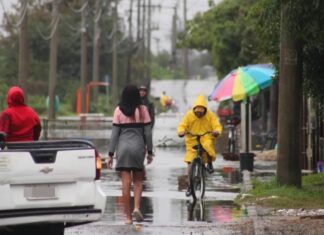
pixel 128 222
pixel 137 215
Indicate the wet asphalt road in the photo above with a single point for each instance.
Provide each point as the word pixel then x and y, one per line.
pixel 164 204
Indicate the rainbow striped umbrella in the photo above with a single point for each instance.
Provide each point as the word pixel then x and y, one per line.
pixel 243 82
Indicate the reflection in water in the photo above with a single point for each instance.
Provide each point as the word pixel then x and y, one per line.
pixel 222 213
pixel 115 209
pixel 232 174
pixel 164 202
pixel 174 211
pixel 196 210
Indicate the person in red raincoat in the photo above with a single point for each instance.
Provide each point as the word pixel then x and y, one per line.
pixel 19 121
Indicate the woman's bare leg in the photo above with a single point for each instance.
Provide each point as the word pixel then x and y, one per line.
pixel 137 178
pixel 126 186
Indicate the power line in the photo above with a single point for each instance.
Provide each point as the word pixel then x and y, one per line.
pixel 22 15
pixel 70 26
pixel 76 10
pixel 56 22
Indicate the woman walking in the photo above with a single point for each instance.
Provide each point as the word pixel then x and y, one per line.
pixel 131 136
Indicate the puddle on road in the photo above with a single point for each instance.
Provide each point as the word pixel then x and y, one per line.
pixel 174 211
pixel 164 200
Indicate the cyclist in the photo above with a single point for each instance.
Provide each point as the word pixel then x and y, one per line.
pixel 165 101
pixel 198 121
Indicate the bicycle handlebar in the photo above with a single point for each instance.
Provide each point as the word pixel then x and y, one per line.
pixel 198 135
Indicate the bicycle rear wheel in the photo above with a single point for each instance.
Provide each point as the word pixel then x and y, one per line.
pixel 197 179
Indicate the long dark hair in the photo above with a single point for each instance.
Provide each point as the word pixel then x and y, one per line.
pixel 130 100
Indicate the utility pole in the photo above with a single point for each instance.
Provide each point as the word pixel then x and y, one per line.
pixel 185 50
pixel 290 98
pixel 138 37
pixel 83 71
pixel 143 76
pixel 173 42
pixel 130 52
pixel 53 65
pixel 157 41
pixel 96 46
pixel 148 48
pixel 114 55
pixel 23 50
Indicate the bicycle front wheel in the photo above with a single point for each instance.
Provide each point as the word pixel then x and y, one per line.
pixel 197 179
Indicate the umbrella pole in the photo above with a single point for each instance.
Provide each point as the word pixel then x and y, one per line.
pixel 246 158
pixel 247 125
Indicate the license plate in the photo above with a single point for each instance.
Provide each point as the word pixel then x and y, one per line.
pixel 40 192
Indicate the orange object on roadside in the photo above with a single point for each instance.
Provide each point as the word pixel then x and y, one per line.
pixel 228 169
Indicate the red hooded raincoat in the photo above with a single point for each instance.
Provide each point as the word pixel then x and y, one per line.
pixel 18 121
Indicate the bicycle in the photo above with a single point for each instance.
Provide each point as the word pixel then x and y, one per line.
pixel 231 123
pixel 197 172
pixel 196 210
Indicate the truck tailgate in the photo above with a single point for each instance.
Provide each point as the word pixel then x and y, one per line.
pixel 47 178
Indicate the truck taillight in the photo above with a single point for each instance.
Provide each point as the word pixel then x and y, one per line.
pixel 98 165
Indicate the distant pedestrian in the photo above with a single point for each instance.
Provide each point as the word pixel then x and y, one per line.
pixel 19 121
pixel 145 101
pixel 165 101
pixel 131 136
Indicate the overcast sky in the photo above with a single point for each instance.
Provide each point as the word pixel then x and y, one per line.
pixel 161 37
pixel 160 18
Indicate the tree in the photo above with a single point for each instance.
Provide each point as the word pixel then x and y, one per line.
pixel 301 57
pixel 225 32
pixel 39 28
pixel 290 96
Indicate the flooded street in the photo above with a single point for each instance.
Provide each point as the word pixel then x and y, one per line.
pixel 164 205
pixel 164 202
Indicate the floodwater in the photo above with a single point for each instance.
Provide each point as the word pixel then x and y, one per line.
pixel 164 200
pixel 164 205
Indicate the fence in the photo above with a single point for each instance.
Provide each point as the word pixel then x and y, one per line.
pixel 84 127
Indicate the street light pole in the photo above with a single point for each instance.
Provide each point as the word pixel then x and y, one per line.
pixel 53 65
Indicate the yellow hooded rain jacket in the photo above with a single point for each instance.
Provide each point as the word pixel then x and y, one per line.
pixel 190 122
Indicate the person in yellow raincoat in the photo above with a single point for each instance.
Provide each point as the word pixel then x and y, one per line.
pixel 199 120
pixel 165 101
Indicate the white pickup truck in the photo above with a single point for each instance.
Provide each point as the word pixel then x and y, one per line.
pixel 46 186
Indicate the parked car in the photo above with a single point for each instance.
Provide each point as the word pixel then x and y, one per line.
pixel 46 186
